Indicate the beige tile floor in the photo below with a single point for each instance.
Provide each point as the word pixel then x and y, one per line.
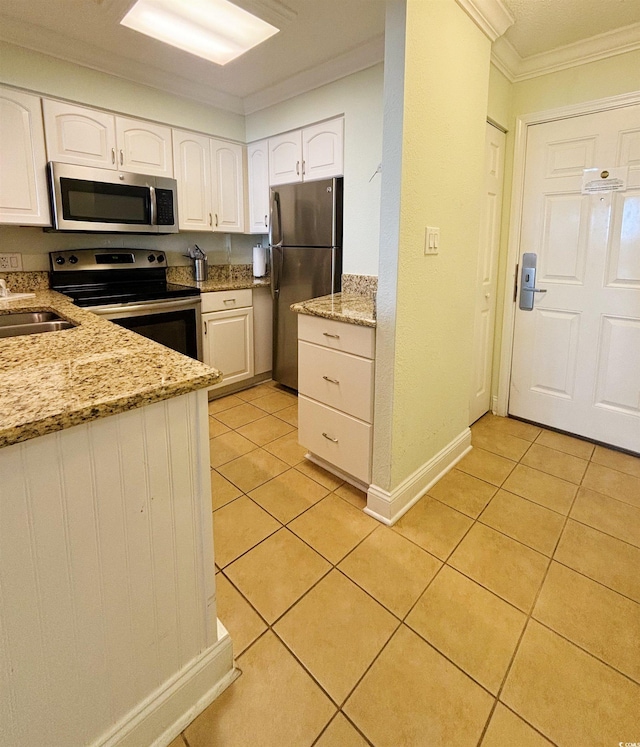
pixel 503 609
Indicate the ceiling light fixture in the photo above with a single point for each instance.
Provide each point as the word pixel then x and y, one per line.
pixel 216 30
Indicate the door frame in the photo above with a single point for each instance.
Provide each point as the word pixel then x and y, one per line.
pixel 515 221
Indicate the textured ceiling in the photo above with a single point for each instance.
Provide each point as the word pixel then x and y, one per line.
pixel 543 25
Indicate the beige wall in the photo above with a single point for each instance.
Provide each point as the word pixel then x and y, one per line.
pixel 445 109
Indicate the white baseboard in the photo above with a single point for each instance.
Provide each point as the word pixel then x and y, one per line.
pixel 158 719
pixel 337 472
pixel 388 507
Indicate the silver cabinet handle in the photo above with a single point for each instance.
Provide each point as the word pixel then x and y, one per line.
pixel 113 155
pixel 205 328
pixel 210 219
pixel 216 214
pixel 303 167
pixel 229 300
pixel 298 168
pixel 335 337
pixel 333 440
pixel 265 221
pixel 121 157
pixel 331 381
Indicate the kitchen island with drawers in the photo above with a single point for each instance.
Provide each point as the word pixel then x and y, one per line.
pixel 108 611
pixel 336 366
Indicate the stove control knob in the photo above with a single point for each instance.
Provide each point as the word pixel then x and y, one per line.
pixel 60 260
pixel 73 259
pixel 152 258
pixel 160 257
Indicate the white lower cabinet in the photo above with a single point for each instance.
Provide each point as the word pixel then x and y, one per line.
pixel 227 334
pixel 335 386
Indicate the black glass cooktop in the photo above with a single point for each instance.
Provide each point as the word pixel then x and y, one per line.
pixel 127 293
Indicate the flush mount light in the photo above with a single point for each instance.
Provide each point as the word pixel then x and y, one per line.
pixel 216 30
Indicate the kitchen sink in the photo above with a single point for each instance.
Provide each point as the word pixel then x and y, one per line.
pixel 17 323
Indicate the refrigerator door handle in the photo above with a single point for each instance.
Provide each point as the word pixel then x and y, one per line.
pixel 276 258
pixel 275 211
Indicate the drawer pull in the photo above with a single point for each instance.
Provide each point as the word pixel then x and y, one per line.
pixel 229 300
pixel 329 438
pixel 335 337
pixel 331 381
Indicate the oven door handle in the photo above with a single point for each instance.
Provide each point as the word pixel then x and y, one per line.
pixel 116 311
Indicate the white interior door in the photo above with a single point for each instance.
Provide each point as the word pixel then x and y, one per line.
pixel 576 355
pixel 486 275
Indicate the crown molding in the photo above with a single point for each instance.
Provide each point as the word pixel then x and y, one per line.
pixel 490 16
pixel 357 59
pixel 59 46
pixel 600 47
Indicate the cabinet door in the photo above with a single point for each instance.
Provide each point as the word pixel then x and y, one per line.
pixel 227 180
pixel 285 158
pixel 144 147
pixel 258 167
pixel 322 150
pixel 228 344
pixel 78 135
pixel 193 174
pixel 23 186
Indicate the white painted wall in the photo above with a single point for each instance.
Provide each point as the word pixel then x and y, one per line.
pixel 59 79
pixel 34 244
pixel 359 98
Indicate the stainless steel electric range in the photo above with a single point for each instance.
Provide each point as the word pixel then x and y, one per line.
pixel 129 287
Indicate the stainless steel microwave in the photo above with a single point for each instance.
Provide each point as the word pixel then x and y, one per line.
pixel 105 201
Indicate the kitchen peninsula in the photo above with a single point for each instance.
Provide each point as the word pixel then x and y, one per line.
pixel 107 579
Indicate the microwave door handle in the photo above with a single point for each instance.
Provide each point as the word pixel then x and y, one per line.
pixel 153 206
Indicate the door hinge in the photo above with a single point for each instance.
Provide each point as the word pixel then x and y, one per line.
pixel 515 284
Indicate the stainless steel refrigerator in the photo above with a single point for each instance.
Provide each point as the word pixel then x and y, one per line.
pixel 305 245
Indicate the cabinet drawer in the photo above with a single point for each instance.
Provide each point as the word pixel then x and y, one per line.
pixel 349 338
pixel 335 437
pixel 225 300
pixel 337 379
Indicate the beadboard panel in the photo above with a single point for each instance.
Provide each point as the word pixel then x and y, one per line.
pixel 106 569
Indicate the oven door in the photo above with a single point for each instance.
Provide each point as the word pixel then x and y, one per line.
pixel 175 324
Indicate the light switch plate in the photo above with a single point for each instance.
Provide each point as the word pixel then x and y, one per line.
pixel 431 240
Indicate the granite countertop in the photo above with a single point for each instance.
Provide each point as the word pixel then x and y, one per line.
pixel 208 286
pixel 55 380
pixel 341 307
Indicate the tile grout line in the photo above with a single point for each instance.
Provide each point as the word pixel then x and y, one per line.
pixel 524 629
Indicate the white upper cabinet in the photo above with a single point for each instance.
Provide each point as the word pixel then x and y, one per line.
pixel 76 134
pixel 258 168
pixel 315 152
pixel 23 186
pixel 227 180
pixel 193 173
pixel 144 147
pixel 211 176
pixel 285 158
pixel 322 150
